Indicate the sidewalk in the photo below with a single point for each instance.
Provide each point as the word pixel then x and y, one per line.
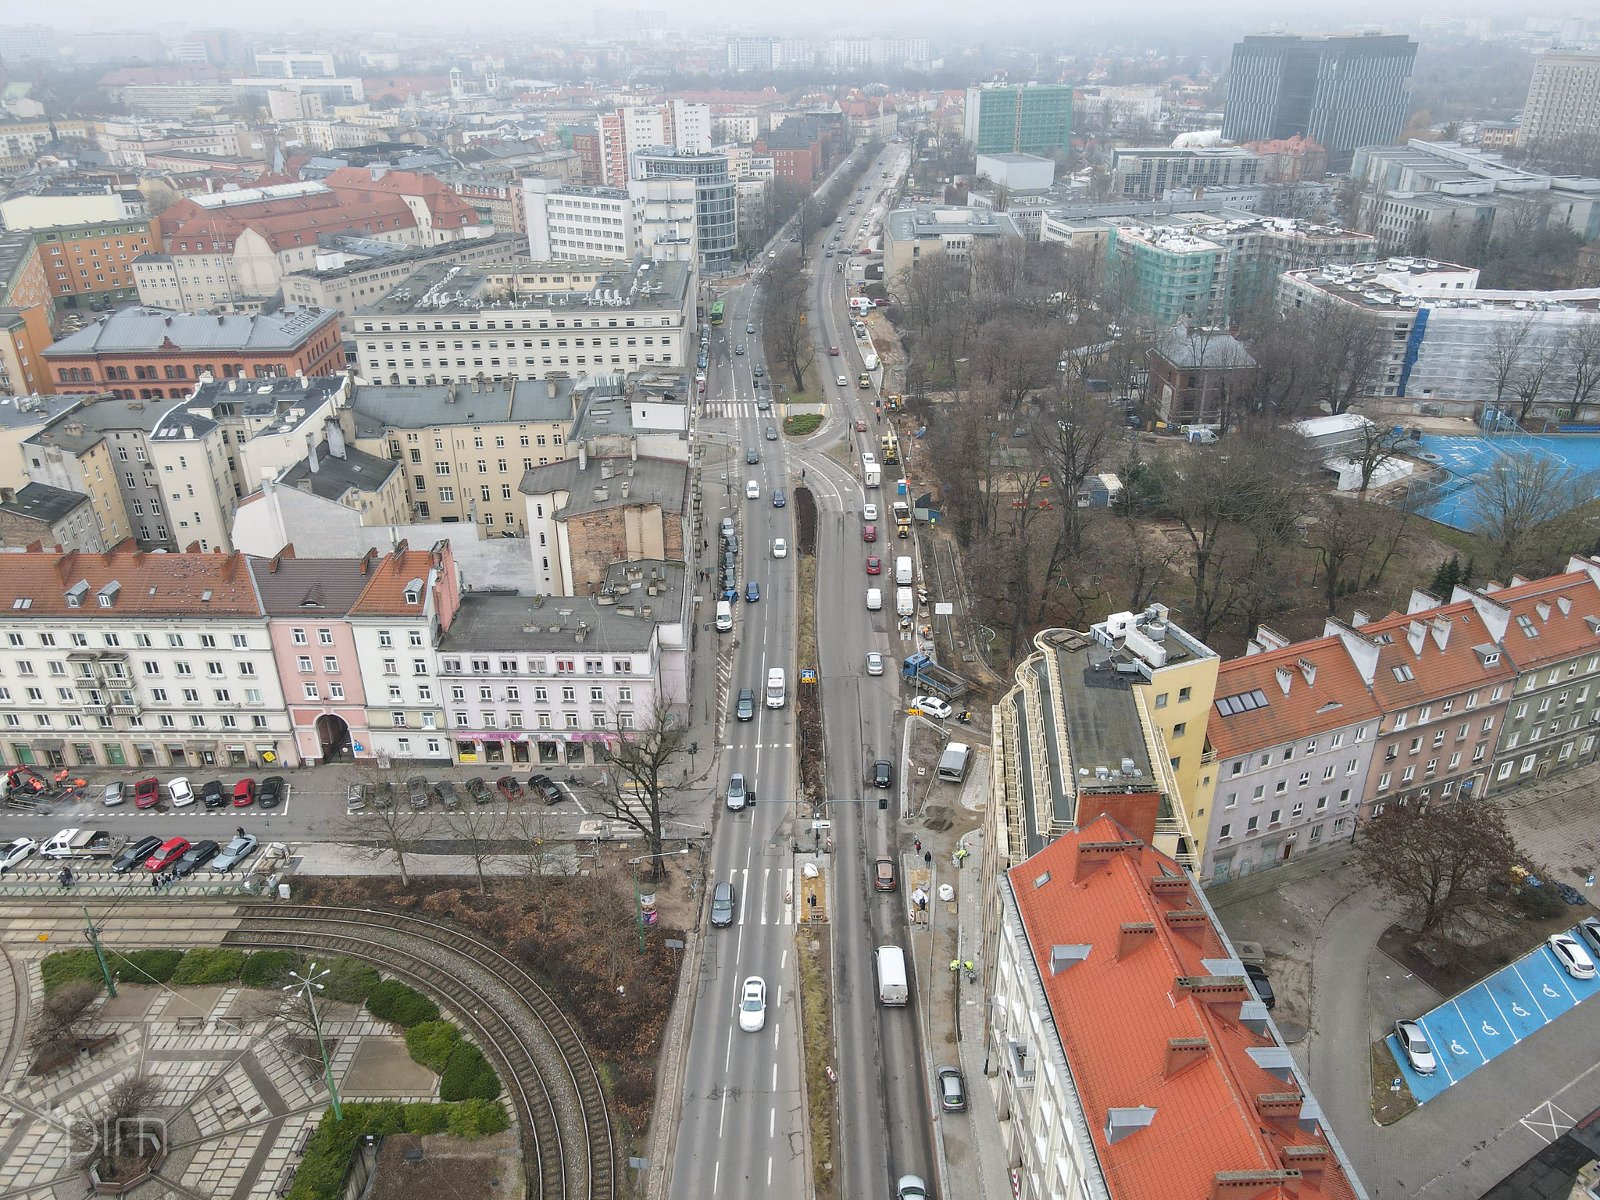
pixel 969 1160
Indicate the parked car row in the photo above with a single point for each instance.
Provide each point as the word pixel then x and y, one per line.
pixel 155 853
pixel 148 793
pixel 421 792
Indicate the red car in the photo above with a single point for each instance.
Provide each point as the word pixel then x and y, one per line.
pixel 169 852
pixel 833 351
pixel 874 565
pixel 147 792
pixel 509 787
pixel 244 793
pixel 869 533
pixel 861 425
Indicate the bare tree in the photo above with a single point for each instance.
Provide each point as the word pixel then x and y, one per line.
pixel 1445 863
pixel 1541 366
pixel 389 827
pixel 530 833
pixel 1343 535
pixel 477 831
pixel 55 1032
pixel 1075 436
pixel 114 1143
pixel 1523 498
pixel 1508 342
pixel 783 311
pixel 1380 442
pixel 1582 362
pixel 1347 349
pixel 635 790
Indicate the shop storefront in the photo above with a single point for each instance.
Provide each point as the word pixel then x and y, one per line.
pixel 519 746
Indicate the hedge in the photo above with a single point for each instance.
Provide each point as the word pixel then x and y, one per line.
pixel 349 980
pixel 431 1042
pixel 473 1119
pixel 321 1173
pixel 404 1006
pixel 209 964
pixel 69 966
pixel 269 968
pixel 468 1075
pixel 145 966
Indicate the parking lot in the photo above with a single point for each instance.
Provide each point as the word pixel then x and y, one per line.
pixel 1472 1028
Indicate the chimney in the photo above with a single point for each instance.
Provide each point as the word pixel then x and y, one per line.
pixel 1133 935
pixel 583 457
pixel 335 438
pixel 1183 1053
pixel 550 388
pixel 311 452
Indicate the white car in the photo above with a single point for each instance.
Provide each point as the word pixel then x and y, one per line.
pixel 934 707
pixel 14 853
pixel 753 1004
pixel 874 663
pixel 780 548
pixel 1574 959
pixel 1414 1045
pixel 752 490
pixel 180 793
pixel 869 512
pixel 843 382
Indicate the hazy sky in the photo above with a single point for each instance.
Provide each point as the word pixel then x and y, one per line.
pixel 818 16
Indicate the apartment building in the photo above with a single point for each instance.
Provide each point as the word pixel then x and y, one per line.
pixel 157 352
pixel 1562 113
pixel 307 604
pixel 913 234
pixel 355 272
pixel 1023 119
pixel 91 266
pixel 1150 172
pixel 1290 740
pixel 555 681
pixel 129 658
pixel 368 485
pixel 584 514
pixel 50 516
pixel 1550 631
pixel 715 225
pixel 397 623
pixel 1131 1058
pixel 25 307
pixel 463 449
pixel 528 320
pixel 1443 682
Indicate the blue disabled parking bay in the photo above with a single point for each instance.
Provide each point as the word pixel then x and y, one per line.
pixel 1491 1017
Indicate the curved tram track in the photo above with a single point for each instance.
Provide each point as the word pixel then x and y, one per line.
pixel 552 1082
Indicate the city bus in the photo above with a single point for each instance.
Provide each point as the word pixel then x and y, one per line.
pixel 716 313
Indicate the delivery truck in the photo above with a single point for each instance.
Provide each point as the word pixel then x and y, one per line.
pixel 78 843
pixel 893 990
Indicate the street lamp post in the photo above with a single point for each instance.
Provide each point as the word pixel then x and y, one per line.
pixel 310 985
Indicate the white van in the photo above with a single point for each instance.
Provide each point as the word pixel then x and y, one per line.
pixel 724 616
pixel 874 599
pixel 903 605
pixel 777 691
pixel 954 761
pixel 893 991
pixel 902 570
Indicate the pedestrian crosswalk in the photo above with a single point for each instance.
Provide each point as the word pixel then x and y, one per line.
pixel 730 410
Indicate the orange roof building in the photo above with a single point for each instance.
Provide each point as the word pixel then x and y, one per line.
pixel 1134 1059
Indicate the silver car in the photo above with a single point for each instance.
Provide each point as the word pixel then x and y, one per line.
pixel 115 794
pixel 241 847
pixel 1414 1045
pixel 737 796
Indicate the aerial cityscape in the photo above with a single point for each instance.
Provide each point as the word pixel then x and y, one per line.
pixel 863 604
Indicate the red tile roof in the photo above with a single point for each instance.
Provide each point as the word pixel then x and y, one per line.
pixel 189 585
pixel 1551 619
pixel 1310 687
pixel 1433 654
pixel 1119 1010
pixel 385 595
pixel 356 184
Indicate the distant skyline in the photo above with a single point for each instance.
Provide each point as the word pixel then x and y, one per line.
pixel 820 17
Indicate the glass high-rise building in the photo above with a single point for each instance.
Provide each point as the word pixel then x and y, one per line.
pixel 1340 92
pixel 1031 118
pixel 716 216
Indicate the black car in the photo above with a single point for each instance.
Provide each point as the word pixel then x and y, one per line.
pixel 1262 984
pixel 478 791
pixel 135 854
pixel 722 902
pixel 198 856
pixel 383 795
pixel 215 795
pixel 883 773
pixel 271 792
pixel 544 786
pixel 417 790
pixel 752 455
pixel 447 795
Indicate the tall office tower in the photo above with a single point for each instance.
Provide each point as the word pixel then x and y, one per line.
pixel 1561 120
pixel 1032 118
pixel 1341 92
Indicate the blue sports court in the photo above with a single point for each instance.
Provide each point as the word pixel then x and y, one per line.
pixel 1489 1018
pixel 1465 457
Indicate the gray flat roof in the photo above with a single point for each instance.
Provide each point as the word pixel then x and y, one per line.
pixel 438 289
pixel 937 220
pixel 86 424
pixel 140 329
pixel 409 255
pixel 522 623
pixel 1102 718
pixel 17 412
pixel 599 484
pixel 421 406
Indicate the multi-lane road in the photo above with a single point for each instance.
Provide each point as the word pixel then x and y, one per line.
pixel 742 1120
